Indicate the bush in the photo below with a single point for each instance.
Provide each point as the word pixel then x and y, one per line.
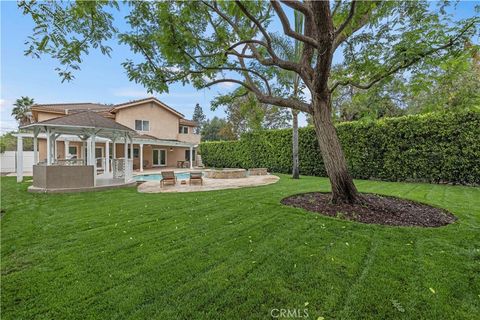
pixel 435 147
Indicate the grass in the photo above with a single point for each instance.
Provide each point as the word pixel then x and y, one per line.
pixel 233 254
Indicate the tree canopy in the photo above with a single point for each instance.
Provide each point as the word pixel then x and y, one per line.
pixel 209 42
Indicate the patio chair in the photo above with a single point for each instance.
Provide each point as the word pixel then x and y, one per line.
pixel 196 176
pixel 168 176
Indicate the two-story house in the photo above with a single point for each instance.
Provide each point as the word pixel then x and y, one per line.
pixel 164 138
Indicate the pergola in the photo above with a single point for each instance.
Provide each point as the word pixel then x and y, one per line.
pixel 89 127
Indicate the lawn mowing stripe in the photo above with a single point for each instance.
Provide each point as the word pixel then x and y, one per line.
pixel 251 267
pixel 140 271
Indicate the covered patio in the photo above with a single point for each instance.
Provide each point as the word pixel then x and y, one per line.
pixel 84 172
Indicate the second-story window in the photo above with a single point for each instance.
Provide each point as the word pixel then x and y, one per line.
pixel 142 125
pixel 183 129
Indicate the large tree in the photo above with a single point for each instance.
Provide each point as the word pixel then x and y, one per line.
pixel 246 114
pixel 216 129
pixel 199 117
pixel 210 42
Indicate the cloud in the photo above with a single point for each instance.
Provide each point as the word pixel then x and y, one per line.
pixel 4 103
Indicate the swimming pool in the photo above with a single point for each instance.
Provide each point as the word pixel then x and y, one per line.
pixel 158 177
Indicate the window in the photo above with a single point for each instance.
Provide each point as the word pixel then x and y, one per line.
pixel 72 150
pixel 136 152
pixel 142 125
pixel 183 129
pixel 187 155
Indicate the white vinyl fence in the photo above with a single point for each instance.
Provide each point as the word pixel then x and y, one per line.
pixel 8 161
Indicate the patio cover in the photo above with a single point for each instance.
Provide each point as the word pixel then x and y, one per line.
pixel 86 125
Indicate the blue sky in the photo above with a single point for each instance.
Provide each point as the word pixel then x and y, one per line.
pixel 101 79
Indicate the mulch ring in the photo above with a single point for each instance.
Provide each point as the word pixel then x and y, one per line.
pixel 374 209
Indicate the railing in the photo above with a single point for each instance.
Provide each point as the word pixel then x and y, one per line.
pixel 69 162
pixel 122 169
pixel 102 163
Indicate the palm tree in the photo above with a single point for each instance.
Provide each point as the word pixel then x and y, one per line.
pixel 22 112
pixel 292 80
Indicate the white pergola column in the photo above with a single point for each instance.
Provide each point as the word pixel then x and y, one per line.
pixel 35 147
pixel 125 148
pixel 84 149
pixel 88 159
pixel 94 162
pixel 49 147
pixel 92 151
pixel 54 148
pixel 141 157
pixel 125 152
pixel 131 149
pixel 114 149
pixel 107 156
pixel 19 159
pixel 67 145
pixel 191 157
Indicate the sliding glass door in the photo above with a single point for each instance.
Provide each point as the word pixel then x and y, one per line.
pixel 159 157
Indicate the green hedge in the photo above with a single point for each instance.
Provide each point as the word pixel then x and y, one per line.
pixel 435 147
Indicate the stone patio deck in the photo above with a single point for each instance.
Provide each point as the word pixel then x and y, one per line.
pixel 208 184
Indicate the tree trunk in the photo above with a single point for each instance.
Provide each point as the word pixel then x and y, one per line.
pixel 343 189
pixel 295 162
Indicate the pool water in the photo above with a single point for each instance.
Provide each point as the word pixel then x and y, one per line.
pixel 158 177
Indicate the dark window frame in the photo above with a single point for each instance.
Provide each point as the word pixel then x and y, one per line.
pixel 142 125
pixel 187 154
pixel 181 129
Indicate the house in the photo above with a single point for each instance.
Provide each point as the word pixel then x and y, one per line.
pixel 162 136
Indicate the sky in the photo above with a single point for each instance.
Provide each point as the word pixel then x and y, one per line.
pixel 100 80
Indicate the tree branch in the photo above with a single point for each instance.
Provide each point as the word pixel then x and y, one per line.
pixel 256 22
pixel 335 8
pixel 340 37
pixel 299 6
pixel 287 28
pixel 393 69
pixel 348 19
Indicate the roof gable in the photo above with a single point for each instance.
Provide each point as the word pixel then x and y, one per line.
pixel 146 100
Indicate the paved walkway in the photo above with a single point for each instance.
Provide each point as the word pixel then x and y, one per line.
pixel 208 184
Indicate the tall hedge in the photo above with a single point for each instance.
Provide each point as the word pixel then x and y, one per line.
pixel 435 147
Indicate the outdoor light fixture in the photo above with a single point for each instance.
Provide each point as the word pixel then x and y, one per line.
pixel 171 149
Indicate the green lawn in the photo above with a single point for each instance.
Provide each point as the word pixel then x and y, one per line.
pixel 233 254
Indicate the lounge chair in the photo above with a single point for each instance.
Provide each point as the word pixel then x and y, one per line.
pixel 196 176
pixel 168 176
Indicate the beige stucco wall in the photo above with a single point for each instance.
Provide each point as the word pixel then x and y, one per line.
pixel 163 123
pixel 42 116
pixel 190 137
pixel 42 149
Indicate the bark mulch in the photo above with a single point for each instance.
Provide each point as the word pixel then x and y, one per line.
pixel 374 209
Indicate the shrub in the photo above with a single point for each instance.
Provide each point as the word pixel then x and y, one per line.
pixel 435 147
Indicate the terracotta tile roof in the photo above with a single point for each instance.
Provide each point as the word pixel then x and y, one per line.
pixel 86 119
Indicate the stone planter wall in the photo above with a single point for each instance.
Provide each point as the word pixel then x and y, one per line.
pixel 257 171
pixel 225 173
